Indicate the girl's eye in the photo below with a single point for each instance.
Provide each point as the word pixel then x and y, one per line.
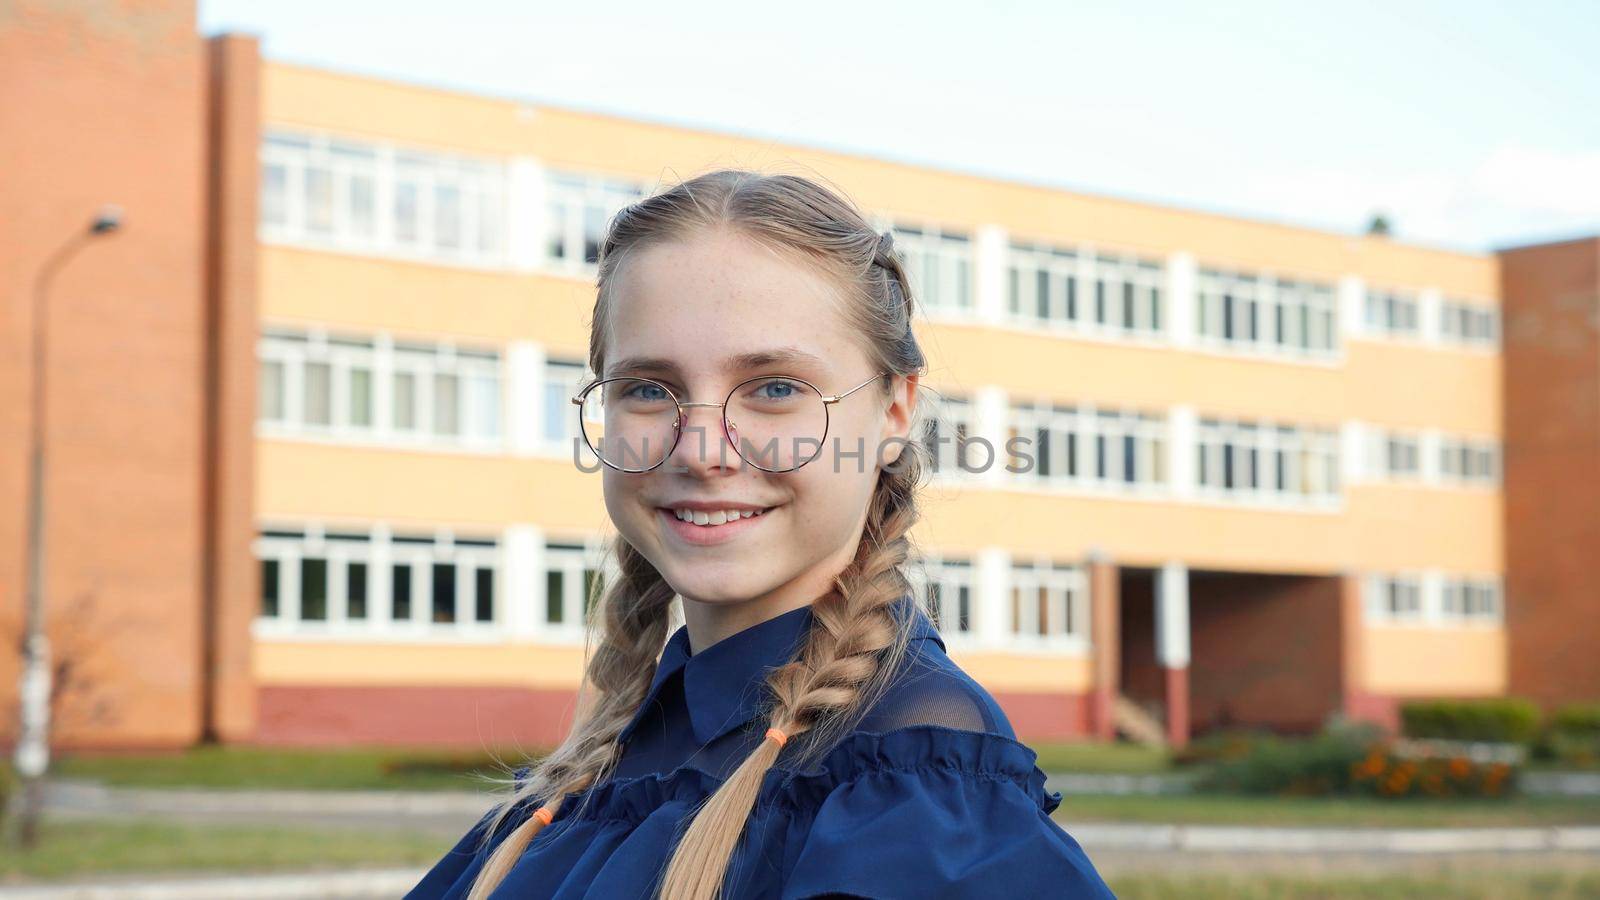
pixel 776 389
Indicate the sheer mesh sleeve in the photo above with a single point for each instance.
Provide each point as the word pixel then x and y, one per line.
pixel 934 696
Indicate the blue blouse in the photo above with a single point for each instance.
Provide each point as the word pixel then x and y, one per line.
pixel 930 796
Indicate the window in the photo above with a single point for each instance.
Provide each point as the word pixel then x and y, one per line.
pixel 371 581
pixel 1392 313
pixel 1267 462
pixel 949 590
pixel 1093 290
pixel 562 379
pixel 1469 461
pixel 578 210
pixel 1395 597
pixel 369 197
pixel 1472 599
pixel 573 585
pixel 939 264
pixel 1086 446
pixel 314 383
pixel 946 434
pixel 1469 324
pixel 1259 312
pixel 1049 605
pixel 1397 455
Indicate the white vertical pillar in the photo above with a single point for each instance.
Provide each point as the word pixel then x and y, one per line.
pixel 1429 314
pixel 1352 306
pixel 1432 588
pixel 993 576
pixel 1172 616
pixel 525 363
pixel 1429 443
pixel 991 273
pixel 1182 307
pixel 380 579
pixel 1355 448
pixel 1182 439
pixel 991 412
pixel 525 218
pixel 524 581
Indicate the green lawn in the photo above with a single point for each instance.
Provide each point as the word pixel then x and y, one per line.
pixel 271 768
pixel 1333 812
pixel 1469 886
pixel 1097 758
pixel 85 848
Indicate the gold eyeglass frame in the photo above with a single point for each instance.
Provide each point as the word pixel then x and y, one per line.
pixel 677 425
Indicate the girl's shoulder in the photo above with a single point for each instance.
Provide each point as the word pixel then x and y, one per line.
pixel 931 689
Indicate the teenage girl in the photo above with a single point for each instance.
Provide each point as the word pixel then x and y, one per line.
pixel 803 734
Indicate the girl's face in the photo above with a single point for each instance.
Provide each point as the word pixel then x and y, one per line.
pixel 692 306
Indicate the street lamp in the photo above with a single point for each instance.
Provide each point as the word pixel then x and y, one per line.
pixel 32 754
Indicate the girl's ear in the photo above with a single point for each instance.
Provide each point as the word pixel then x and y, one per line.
pixel 897 427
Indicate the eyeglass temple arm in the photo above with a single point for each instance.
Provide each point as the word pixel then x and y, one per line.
pixel 837 397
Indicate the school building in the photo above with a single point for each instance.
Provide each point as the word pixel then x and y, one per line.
pixel 310 452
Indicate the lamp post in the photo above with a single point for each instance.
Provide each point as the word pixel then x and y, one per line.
pixel 32 755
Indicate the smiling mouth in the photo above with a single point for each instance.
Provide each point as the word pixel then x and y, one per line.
pixel 715 518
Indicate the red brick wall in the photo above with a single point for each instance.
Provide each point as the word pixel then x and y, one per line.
pixel 104 103
pixel 1266 650
pixel 1551 296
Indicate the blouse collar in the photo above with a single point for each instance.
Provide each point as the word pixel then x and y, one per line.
pixel 722 684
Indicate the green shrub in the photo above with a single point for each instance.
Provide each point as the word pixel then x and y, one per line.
pixel 1573 737
pixel 1219 747
pixel 1499 719
pixel 1349 759
pixel 8 787
pixel 1306 766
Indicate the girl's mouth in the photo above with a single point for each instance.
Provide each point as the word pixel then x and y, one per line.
pixel 703 529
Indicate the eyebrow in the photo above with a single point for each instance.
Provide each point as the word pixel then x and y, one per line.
pixel 635 365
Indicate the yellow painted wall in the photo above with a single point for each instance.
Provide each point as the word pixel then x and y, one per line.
pixel 1027 674
pixel 1407 660
pixel 279 662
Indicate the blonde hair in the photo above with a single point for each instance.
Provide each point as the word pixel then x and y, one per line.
pixel 856 641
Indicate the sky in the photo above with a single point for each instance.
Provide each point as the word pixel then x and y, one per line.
pixel 1471 125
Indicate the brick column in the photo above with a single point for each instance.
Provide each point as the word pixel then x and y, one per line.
pixel 231 589
pixel 1105 638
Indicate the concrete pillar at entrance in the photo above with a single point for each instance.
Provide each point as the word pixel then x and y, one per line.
pixel 1105 643
pixel 1172 646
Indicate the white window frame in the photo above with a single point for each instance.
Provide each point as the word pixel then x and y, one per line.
pixel 1469 323
pixel 1225 300
pixel 1310 455
pixel 1067 592
pixel 1074 281
pixel 1393 313
pixel 481 428
pixel 951 255
pixel 572 200
pixel 290 543
pixel 1089 429
pixel 572 558
pixel 939 581
pixel 480 182
pixel 1483 460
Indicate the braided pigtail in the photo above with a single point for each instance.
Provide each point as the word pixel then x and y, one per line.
pixel 615 681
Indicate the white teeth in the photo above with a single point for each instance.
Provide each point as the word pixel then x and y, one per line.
pixel 720 517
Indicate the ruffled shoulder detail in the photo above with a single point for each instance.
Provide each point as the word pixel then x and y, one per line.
pixel 977 755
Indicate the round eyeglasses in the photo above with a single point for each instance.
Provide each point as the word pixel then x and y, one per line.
pixel 776 423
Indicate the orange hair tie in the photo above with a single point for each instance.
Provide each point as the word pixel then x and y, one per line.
pixel 778 736
pixel 545 815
